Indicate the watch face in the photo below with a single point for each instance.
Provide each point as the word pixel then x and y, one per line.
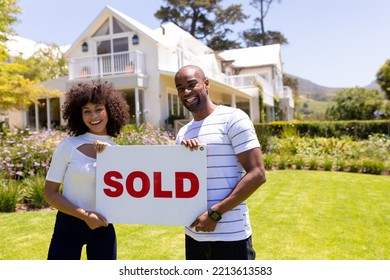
pixel 215 216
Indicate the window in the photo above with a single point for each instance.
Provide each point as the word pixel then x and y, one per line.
pixel 121 45
pixel 119 27
pixel 175 108
pixel 103 30
pixel 103 47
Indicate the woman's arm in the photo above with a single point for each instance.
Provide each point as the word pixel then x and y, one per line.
pixel 57 200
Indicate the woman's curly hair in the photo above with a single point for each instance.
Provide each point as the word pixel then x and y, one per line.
pixel 96 92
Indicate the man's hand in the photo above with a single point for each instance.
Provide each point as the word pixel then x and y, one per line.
pixel 193 143
pixel 204 223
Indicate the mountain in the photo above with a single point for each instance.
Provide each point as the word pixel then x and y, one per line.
pixel 374 85
pixel 314 98
pixel 314 91
pixel 317 92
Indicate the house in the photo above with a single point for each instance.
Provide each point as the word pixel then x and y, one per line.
pixel 142 63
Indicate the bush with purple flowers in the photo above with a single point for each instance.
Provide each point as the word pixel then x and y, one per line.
pixel 25 158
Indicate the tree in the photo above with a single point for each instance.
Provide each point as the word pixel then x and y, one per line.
pixel 355 104
pixel 45 64
pixel 258 36
pixel 383 78
pixel 16 90
pixel 206 20
pixel 8 18
pixel 292 83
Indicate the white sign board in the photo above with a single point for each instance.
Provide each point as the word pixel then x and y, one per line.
pixel 164 185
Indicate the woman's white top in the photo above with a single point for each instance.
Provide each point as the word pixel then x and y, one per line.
pixel 75 170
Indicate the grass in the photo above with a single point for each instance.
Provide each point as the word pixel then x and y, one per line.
pixel 315 110
pixel 296 215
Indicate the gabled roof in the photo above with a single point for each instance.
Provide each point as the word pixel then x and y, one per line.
pixel 254 56
pixel 133 24
pixel 172 35
pixel 102 16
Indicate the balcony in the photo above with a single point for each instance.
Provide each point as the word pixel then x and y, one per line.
pixel 246 82
pixel 132 62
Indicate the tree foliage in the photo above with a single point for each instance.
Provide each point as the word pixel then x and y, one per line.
pixel 17 90
pixel 45 64
pixel 253 38
pixel 292 83
pixel 383 78
pixel 8 17
pixel 258 36
pixel 355 104
pixel 206 20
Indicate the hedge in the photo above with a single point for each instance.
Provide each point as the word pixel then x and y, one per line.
pixel 359 130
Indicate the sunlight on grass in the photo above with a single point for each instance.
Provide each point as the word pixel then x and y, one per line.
pixel 321 215
pixel 302 215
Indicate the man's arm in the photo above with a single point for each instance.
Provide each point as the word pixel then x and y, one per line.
pixel 252 162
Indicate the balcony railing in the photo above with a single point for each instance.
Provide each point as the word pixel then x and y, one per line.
pixel 107 64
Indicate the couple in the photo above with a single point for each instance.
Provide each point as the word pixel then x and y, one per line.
pixel 95 112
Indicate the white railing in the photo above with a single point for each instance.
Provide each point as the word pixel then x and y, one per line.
pixel 107 64
pixel 248 81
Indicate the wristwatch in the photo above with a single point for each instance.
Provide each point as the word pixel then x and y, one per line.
pixel 214 215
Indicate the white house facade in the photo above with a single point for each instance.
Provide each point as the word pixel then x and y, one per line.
pixel 142 63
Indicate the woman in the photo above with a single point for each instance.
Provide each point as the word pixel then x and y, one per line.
pixel 94 112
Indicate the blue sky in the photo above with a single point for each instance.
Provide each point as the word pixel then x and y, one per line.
pixel 334 43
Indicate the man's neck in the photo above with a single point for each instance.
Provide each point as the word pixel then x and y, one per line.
pixel 198 116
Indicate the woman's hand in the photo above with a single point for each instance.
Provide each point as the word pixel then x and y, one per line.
pixel 95 220
pixel 100 146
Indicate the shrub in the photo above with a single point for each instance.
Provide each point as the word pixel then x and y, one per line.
pixel 372 167
pixel 9 193
pixel 283 163
pixel 25 158
pixel 27 153
pixel 327 129
pixel 299 162
pixel 313 163
pixel 328 164
pixel 33 192
pixel 145 134
pixel 340 165
pixel 354 166
pixel 268 160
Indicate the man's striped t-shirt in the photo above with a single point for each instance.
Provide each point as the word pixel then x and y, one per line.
pixel 226 132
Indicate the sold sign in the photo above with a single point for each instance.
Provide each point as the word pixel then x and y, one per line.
pixel 151 184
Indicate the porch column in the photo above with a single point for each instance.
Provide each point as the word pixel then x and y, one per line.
pixel 254 109
pixel 48 114
pixel 137 112
pixel 233 101
pixel 36 109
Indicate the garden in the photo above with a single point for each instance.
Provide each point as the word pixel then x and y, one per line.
pixel 325 198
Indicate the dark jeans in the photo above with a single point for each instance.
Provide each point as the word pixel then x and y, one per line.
pixel 71 234
pixel 219 250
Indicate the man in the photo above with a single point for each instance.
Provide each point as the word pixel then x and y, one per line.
pixel 235 170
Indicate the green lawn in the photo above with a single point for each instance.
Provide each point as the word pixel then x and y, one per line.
pixel 300 215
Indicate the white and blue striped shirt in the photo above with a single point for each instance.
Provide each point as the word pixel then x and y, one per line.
pixel 226 132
